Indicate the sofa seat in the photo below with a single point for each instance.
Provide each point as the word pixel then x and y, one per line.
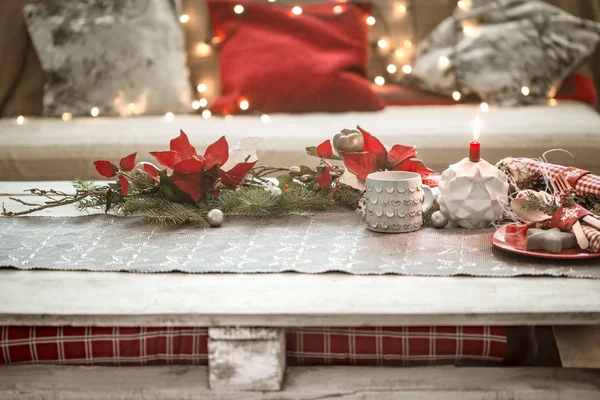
pixel 50 149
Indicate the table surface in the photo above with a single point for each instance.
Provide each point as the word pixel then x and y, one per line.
pixel 332 299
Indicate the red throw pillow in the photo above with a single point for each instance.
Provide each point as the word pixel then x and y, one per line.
pixel 578 87
pixel 282 62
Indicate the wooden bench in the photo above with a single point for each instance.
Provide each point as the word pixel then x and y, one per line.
pixel 248 313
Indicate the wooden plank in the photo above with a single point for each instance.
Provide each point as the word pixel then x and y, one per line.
pixel 246 358
pixel 578 346
pixel 340 383
pixel 332 299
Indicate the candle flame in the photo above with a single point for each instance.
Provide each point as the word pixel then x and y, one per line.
pixel 476 129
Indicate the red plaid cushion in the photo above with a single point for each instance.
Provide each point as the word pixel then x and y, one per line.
pixel 305 346
pixel 394 346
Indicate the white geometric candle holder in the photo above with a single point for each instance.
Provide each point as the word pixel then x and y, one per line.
pixel 473 194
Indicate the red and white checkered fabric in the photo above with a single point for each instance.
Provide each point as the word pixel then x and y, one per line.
pixel 396 346
pixel 587 184
pixel 305 346
pixel 593 236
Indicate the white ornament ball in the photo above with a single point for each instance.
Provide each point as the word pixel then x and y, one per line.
pixel 215 217
pixel 473 194
pixel 439 220
pixel 275 191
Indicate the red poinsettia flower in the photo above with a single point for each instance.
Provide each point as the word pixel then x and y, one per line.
pixel 109 170
pixel 324 150
pixel 374 157
pixel 196 174
pixel 324 178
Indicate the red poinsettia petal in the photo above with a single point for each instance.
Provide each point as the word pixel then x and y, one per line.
pixel 151 170
pixel 236 175
pixel 399 153
pixel 325 149
pixel 124 185
pixel 182 146
pixel 360 164
pixel 106 168
pixel 374 146
pixel 128 162
pixel 166 158
pixel 414 165
pixel 190 166
pixel 192 184
pixel 217 153
pixel 324 177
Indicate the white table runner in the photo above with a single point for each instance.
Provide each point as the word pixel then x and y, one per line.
pixel 306 244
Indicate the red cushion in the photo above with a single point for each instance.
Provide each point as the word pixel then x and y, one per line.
pixel 407 346
pixel 578 87
pixel 281 62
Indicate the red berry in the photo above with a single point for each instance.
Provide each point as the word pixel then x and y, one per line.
pixel 286 187
pixel 332 202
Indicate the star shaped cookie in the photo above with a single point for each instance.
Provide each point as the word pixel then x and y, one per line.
pixel 551 240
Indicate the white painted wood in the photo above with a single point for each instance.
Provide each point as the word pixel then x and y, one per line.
pixel 333 299
pixel 244 358
pixel 340 383
pixel 578 346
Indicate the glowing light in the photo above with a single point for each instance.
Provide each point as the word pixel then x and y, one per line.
pixel 462 5
pixel 67 117
pixel 272 1
pixel 216 40
pixel 206 114
pixel 456 96
pixel 169 116
pixel 552 102
pixel 407 44
pixel 370 20
pixel 468 30
pixel 379 80
pixel 184 18
pixel 525 91
pixel 203 49
pixel 201 87
pixel 131 107
pixel 94 112
pixel 382 43
pixel 20 120
pixel 443 62
pixel 391 69
pixel 484 107
pixel 407 69
pixel 476 129
pixel 401 8
pixel 399 53
pixel 244 105
pixel 238 9
pixel 297 10
pixel 195 104
pixel 203 102
pixel 265 118
pixel 338 9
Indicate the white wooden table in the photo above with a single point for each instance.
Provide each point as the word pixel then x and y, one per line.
pixel 280 300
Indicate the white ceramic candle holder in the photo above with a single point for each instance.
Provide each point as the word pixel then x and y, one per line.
pixel 473 194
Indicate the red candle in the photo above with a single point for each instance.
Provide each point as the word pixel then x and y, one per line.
pixel 475 151
pixel 475 146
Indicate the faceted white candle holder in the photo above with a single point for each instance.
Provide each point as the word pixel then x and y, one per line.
pixel 473 194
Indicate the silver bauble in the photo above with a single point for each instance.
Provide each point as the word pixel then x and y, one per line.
pixel 349 141
pixel 439 220
pixel 215 217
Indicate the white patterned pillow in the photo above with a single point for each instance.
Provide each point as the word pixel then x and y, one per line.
pixel 507 52
pixel 125 57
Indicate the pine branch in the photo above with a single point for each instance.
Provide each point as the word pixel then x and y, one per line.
pixel 534 203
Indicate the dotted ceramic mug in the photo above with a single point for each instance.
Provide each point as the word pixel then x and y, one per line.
pixel 396 201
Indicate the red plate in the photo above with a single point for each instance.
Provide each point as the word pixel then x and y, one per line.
pixel 512 238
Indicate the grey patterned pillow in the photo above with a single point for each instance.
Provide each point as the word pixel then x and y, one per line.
pixel 508 52
pixel 125 57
